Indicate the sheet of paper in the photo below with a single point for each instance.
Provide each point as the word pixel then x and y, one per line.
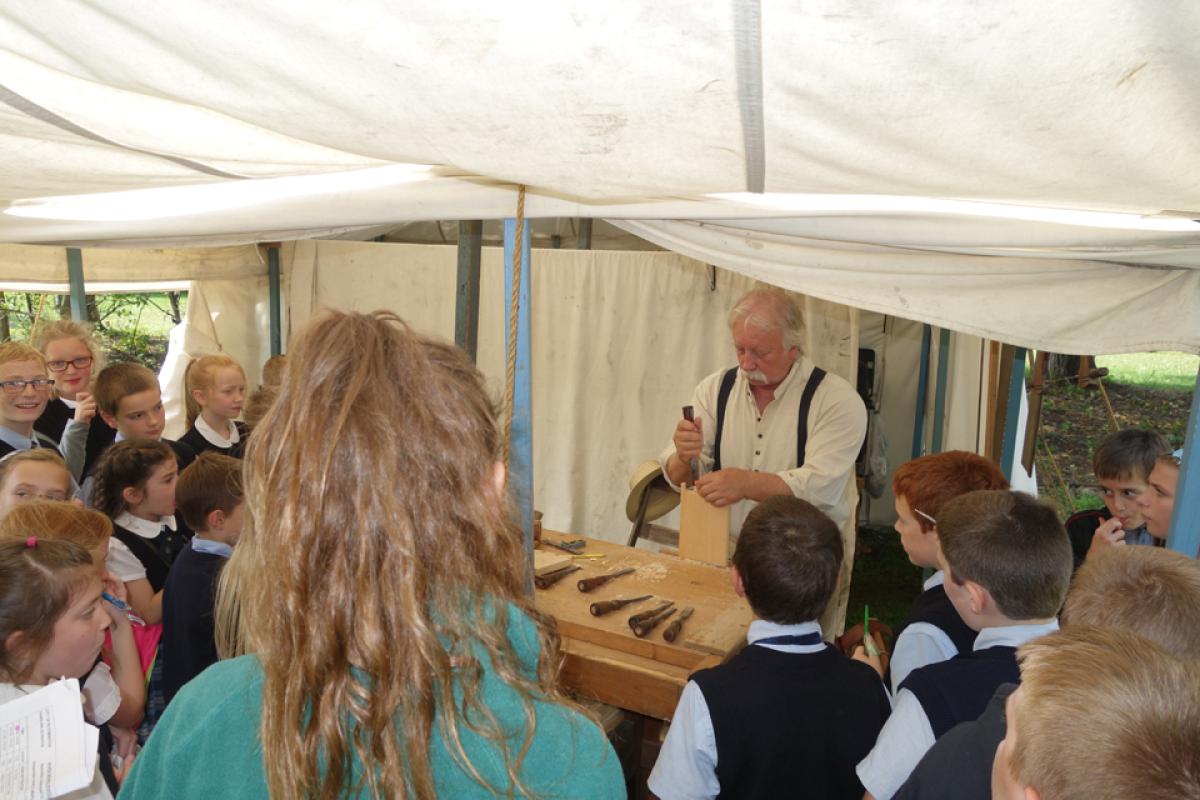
pixel 46 749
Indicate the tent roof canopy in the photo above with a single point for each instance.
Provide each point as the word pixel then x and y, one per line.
pixel 951 141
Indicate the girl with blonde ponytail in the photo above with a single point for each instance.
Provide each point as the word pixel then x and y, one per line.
pixel 214 391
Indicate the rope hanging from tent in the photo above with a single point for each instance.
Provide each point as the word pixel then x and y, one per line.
pixel 37 318
pixel 510 367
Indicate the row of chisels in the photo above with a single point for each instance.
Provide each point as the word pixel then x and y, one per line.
pixel 641 623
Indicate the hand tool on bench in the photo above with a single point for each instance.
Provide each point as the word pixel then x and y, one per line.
pixel 550 578
pixel 588 584
pixel 673 629
pixel 644 627
pixel 689 414
pixel 572 546
pixel 641 616
pixel 603 607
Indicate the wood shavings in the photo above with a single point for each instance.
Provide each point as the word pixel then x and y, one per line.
pixel 654 571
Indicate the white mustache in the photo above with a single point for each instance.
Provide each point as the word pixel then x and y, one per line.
pixel 756 376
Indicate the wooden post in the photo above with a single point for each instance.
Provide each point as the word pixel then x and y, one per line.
pixel 1035 411
pixel 466 308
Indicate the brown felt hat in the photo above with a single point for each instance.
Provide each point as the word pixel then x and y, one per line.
pixel 648 477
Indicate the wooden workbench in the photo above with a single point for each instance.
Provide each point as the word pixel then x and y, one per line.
pixel 605 661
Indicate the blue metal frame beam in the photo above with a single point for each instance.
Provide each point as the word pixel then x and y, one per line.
pixel 1012 411
pixel 275 306
pixel 939 392
pixel 466 307
pixel 1185 518
pixel 918 440
pixel 75 279
pixel 520 458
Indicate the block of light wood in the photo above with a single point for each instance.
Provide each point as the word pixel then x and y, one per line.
pixel 545 561
pixel 703 529
pixel 718 624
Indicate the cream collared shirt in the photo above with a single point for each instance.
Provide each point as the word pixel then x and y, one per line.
pixel 766 442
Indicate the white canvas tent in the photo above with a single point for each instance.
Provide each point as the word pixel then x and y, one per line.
pixel 1025 172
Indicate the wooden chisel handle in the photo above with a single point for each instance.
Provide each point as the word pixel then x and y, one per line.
pixel 642 616
pixel 588 584
pixel 550 578
pixel 673 629
pixel 642 628
pixel 606 606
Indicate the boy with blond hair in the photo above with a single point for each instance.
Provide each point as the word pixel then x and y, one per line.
pixel 1143 590
pixel 24 392
pixel 1101 713
pixel 1007 562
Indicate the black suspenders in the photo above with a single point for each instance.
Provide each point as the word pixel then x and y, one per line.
pixel 810 388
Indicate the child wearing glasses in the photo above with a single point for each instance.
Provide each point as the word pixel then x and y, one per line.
pixel 72 357
pixel 24 392
pixel 933 631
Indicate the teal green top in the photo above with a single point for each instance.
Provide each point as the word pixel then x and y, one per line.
pixel 207 746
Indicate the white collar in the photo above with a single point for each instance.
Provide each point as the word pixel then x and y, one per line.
pixel 762 629
pixel 1013 635
pixel 936 579
pixel 69 403
pixel 144 527
pixel 216 439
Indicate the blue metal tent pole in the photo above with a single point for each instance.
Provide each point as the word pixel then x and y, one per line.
pixel 520 458
pixel 75 279
pixel 939 392
pixel 585 234
pixel 275 305
pixel 466 308
pixel 918 440
pixel 1012 412
pixel 1185 519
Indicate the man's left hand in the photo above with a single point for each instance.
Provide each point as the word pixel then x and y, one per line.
pixel 724 487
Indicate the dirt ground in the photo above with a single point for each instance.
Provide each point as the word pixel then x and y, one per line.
pixel 1074 420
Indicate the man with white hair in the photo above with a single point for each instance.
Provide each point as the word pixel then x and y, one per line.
pixel 775 424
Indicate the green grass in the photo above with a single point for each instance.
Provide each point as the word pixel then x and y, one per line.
pixel 1153 370
pixel 883 578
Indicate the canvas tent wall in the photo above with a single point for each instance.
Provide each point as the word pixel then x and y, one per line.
pixel 620 338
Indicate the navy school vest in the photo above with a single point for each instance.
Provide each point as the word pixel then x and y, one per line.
pixel 934 607
pixel 958 690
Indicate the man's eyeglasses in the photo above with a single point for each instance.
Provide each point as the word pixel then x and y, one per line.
pixel 16 387
pixel 932 521
pixel 78 363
